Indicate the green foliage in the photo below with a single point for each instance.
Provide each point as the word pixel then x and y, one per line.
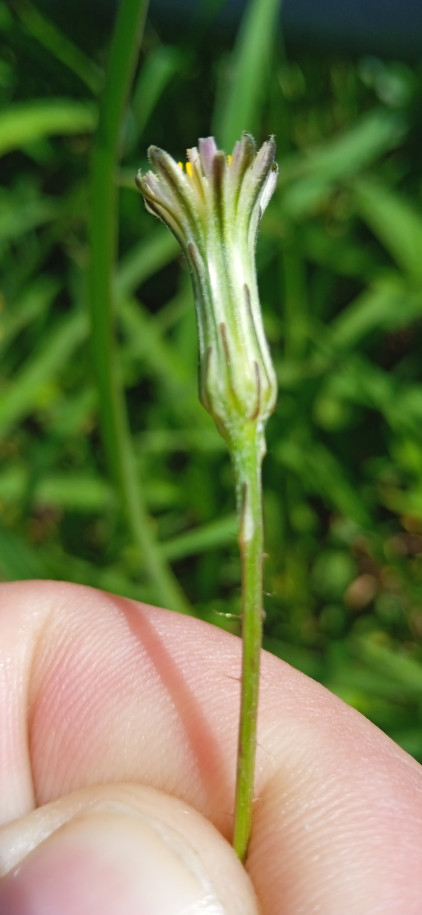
pixel 339 254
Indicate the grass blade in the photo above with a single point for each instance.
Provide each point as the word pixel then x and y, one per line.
pixel 27 122
pixel 241 101
pixel 114 423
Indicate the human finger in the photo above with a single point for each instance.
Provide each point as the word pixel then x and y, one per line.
pixel 119 691
pixel 120 850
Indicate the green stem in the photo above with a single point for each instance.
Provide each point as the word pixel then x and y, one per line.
pixel 247 458
pixel 104 231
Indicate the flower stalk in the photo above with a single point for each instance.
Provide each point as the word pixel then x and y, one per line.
pixel 247 460
pixel 213 206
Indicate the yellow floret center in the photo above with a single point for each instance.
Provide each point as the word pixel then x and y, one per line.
pixel 188 166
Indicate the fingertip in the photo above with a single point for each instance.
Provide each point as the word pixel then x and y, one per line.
pixel 123 858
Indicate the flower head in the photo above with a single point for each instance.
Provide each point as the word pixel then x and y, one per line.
pixel 213 206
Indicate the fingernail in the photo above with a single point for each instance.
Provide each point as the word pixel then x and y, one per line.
pixel 114 864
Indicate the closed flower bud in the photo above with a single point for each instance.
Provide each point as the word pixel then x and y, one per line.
pixel 213 206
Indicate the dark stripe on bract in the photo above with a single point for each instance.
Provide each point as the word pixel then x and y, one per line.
pixel 251 315
pixel 247 146
pixel 160 160
pixel 218 171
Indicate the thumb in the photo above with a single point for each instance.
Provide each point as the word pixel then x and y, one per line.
pixel 119 850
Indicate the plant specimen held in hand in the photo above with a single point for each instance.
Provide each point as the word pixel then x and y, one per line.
pixel 213 206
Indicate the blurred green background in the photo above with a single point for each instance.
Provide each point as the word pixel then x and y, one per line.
pixel 111 473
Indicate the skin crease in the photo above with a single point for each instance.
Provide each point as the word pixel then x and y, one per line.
pixel 106 704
